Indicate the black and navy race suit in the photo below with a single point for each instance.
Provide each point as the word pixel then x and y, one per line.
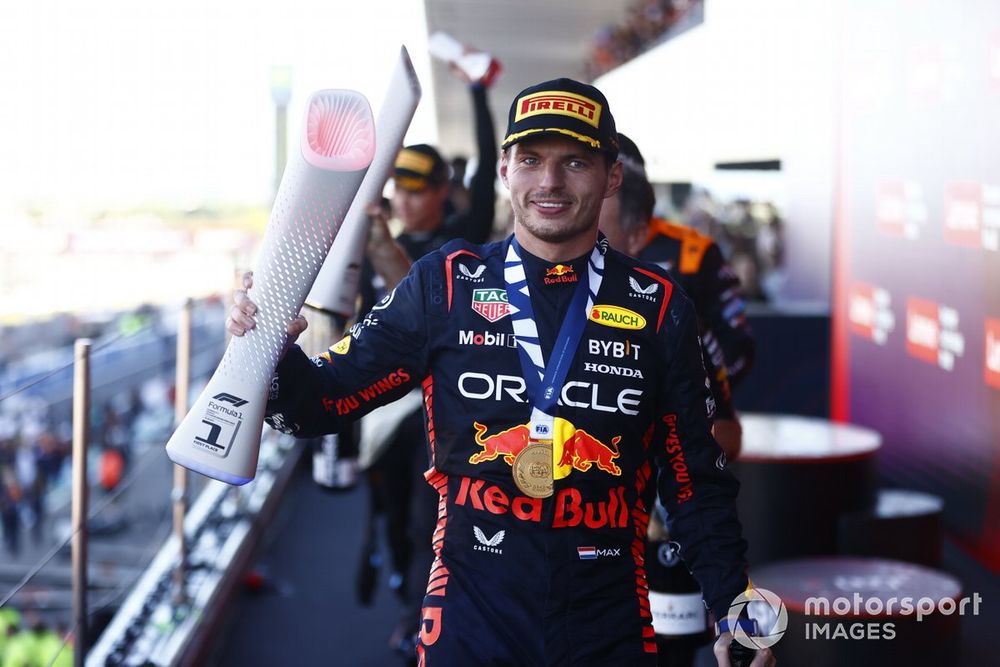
pixel 696 262
pixel 395 477
pixel 519 580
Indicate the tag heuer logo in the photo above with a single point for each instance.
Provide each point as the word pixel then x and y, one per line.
pixel 490 303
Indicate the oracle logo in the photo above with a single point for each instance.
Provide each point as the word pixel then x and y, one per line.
pixel 587 395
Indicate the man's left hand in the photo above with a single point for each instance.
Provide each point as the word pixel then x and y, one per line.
pixel 763 657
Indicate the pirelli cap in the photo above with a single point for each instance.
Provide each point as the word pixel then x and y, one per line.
pixel 564 107
pixel 419 166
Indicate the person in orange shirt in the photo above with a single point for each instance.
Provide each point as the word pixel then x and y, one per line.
pixel 696 262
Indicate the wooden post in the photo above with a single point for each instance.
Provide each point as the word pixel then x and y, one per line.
pixel 180 491
pixel 81 433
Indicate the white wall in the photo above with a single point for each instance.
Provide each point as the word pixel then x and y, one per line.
pixel 755 81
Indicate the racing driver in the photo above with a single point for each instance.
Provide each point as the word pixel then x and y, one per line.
pixel 554 391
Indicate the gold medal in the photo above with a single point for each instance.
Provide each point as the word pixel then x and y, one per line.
pixel 533 469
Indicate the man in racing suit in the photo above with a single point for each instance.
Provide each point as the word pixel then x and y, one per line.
pixel 524 575
pixel 696 263
pixel 395 478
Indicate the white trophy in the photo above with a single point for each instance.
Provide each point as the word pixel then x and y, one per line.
pixel 477 65
pixel 220 436
pixel 336 286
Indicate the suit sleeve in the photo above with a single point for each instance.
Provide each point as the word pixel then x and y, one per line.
pixel 476 223
pixel 381 359
pixel 694 485
pixel 724 315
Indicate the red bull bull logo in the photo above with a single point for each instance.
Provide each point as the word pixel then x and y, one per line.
pixel 581 451
pixel 560 273
pixel 572 448
pixel 507 444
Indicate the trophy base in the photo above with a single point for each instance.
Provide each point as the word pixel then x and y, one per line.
pixel 207 471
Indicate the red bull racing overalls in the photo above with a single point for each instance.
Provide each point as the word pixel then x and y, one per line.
pixel 520 580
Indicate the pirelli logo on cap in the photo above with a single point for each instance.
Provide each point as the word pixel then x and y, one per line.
pixel 414 161
pixel 559 103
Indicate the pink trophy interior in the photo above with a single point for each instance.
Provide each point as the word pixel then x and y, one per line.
pixel 339 135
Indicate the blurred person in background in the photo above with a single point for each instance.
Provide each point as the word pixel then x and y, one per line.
pixel 696 262
pixel 458 191
pixel 30 481
pixel 10 620
pixel 741 231
pixel 433 207
pixel 10 497
pixel 50 648
pixel 21 648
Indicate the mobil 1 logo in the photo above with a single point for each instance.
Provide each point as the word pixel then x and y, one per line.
pixel 221 422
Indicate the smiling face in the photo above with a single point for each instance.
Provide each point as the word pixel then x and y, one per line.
pixel 557 186
pixel 420 210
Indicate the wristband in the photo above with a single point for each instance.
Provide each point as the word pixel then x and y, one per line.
pixel 748 625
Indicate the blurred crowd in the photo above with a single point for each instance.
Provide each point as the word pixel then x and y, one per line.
pixel 751 236
pixel 36 433
pixel 33 455
pixel 26 640
pixel 645 23
pixel 35 460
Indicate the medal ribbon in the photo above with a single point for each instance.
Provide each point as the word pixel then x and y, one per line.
pixel 544 380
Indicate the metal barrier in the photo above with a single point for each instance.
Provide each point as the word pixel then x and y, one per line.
pixel 223 527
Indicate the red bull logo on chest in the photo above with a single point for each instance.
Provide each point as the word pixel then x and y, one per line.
pixel 610 509
pixel 507 444
pixel 581 451
pixel 572 448
pixel 560 273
